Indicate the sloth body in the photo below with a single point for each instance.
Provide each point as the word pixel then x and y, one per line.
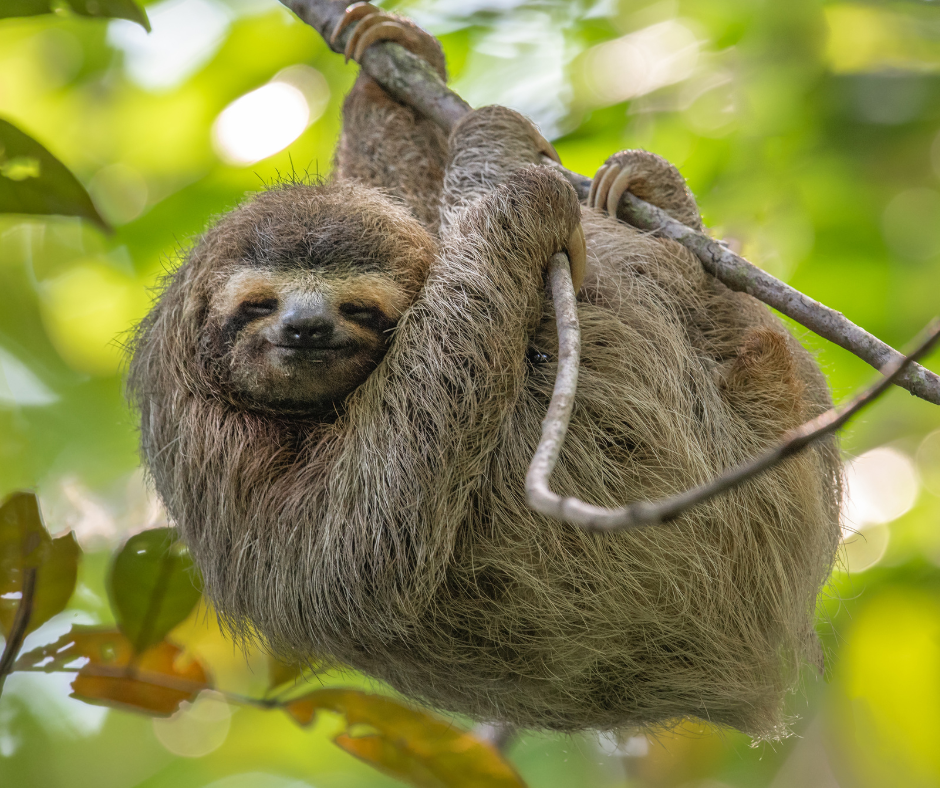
pixel 341 388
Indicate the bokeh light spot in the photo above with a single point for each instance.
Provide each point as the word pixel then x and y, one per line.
pixel 196 729
pixel 260 123
pixel 861 551
pixel 880 486
pixel 639 63
pixel 185 35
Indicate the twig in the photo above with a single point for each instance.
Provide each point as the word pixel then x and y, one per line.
pixel 738 274
pixel 635 515
pixel 410 80
pixel 24 612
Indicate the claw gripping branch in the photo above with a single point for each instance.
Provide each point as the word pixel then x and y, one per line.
pixel 412 81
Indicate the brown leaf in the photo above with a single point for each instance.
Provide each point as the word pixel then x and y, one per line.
pixel 407 743
pixel 154 682
pixel 24 543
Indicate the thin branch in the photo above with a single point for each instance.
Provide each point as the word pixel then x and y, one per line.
pixel 738 274
pixel 24 612
pixel 641 513
pixel 410 80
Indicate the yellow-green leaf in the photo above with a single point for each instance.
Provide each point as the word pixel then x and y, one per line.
pixel 153 585
pixel 407 743
pixel 154 682
pixel 114 9
pixel 34 181
pixel 25 544
pixel 11 8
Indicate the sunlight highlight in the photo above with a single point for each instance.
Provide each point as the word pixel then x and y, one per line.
pixel 641 62
pixel 880 486
pixel 260 123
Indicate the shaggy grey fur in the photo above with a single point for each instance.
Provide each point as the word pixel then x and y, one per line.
pixel 394 535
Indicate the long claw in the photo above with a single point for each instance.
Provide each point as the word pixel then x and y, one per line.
pixel 600 198
pixel 617 188
pixel 381 30
pixel 577 257
pixel 352 14
pixel 597 179
pixel 546 148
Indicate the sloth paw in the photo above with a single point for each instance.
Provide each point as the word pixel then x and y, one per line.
pixel 376 26
pixel 649 177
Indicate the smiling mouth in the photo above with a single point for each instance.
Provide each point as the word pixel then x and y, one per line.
pixel 318 351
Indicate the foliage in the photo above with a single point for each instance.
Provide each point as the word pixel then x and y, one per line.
pixel 809 131
pixel 154 586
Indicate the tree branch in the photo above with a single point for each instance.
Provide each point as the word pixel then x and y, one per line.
pixel 641 513
pixel 410 80
pixel 738 274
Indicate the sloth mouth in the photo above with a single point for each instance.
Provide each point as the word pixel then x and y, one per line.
pixel 319 350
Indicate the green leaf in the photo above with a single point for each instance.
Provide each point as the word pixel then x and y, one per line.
pixel 114 674
pixel 153 585
pixel 109 9
pixel 24 543
pixel 114 9
pixel 34 181
pixel 406 743
pixel 11 8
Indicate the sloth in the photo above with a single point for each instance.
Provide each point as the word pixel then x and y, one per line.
pixel 341 385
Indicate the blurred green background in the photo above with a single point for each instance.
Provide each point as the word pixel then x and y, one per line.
pixel 810 133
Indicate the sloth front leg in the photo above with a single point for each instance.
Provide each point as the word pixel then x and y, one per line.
pixel 384 143
pixel 488 148
pixel 649 177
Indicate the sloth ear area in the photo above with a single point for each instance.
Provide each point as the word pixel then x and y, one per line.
pixel 763 382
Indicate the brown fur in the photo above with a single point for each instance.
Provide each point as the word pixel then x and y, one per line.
pixel 393 534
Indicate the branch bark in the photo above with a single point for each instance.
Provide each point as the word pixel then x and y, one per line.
pixel 410 80
pixel 643 513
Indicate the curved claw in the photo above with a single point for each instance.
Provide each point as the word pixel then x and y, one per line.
pixel 354 13
pixel 577 256
pixel 546 148
pixel 380 28
pixel 597 179
pixel 600 197
pixel 617 188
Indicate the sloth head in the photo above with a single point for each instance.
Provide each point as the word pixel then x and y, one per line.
pixel 290 301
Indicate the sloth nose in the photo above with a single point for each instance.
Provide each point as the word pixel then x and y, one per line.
pixel 306 327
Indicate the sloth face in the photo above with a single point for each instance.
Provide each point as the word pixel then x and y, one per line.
pixel 299 341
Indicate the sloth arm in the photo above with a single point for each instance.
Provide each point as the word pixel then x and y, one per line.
pixel 419 431
pixel 388 145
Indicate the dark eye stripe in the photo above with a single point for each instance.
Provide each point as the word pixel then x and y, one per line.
pixel 255 309
pixel 366 315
